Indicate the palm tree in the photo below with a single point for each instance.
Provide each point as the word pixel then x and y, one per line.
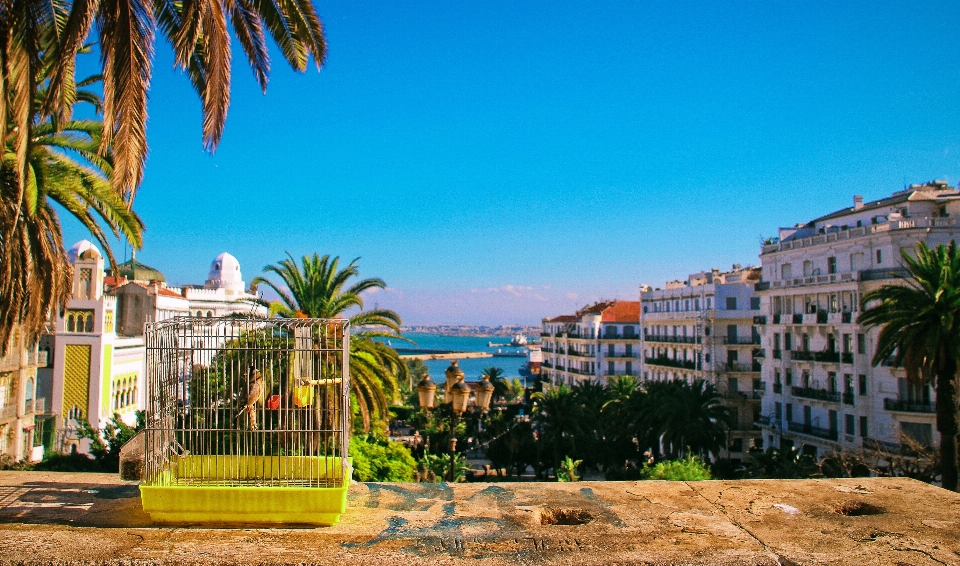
pixel 317 288
pixel 36 36
pixel 920 328
pixel 687 416
pixel 501 387
pixel 63 166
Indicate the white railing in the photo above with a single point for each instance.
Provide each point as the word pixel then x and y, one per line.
pixel 902 224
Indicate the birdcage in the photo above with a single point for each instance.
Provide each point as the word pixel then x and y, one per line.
pixel 247 420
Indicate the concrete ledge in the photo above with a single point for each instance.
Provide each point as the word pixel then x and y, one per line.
pixel 71 518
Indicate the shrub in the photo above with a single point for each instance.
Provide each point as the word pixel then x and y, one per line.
pixel 690 468
pixel 568 469
pixel 379 459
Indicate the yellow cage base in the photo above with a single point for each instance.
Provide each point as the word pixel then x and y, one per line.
pixel 247 504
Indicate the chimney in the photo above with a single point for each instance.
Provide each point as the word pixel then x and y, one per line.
pixel 857 202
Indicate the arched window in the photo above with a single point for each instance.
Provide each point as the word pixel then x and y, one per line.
pixel 199 313
pixel 70 323
pixel 28 394
pixel 89 325
pixel 209 314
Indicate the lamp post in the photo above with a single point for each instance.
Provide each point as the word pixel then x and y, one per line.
pixel 458 396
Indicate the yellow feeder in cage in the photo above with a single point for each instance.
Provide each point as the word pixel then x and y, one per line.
pixel 215 452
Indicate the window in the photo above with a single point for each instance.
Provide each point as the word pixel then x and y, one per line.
pixel 861 343
pixel 863 427
pixel 863 384
pixel 776 340
pixel 629 351
pixel 807 268
pixel 850 420
pixel 755 303
pixel 789 377
pixel 879 256
pixel 686 305
pixel 696 304
pixel 788 341
pixel 629 368
pixel 786 271
pixel 832 380
pixel 806 342
pixel 831 264
pixel 847 343
pixel 778 410
pixel 789 412
pixel 610 350
pixel 776 376
pixel 731 303
pixel 736 445
pixel 709 303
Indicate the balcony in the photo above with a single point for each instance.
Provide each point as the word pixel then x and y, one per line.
pixel 673 339
pixel 830 357
pixel 846 357
pixel 741 340
pixel 665 361
pixel 801 356
pixel 908 406
pixel 38 359
pixel 776 318
pixel 8 411
pixel 798 319
pixel 759 320
pixel 848 398
pixel 818 394
pixel 741 368
pixel 846 318
pixel 778 388
pixel 764 420
pixel 812 430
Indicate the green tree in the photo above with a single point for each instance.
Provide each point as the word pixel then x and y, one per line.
pixel 501 387
pixel 318 288
pixel 379 459
pixel 65 165
pixel 686 416
pixel 920 329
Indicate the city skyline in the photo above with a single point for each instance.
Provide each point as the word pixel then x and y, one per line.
pixel 498 164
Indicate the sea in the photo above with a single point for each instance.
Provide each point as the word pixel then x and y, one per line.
pixel 472 367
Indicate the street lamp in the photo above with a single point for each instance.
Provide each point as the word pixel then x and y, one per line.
pixel 458 396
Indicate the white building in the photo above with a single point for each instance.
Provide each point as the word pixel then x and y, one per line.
pixel 96 350
pixel 21 432
pixel 823 392
pixel 598 342
pixel 93 371
pixel 703 328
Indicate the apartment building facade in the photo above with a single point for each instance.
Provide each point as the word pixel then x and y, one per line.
pixel 704 328
pixel 19 406
pixel 823 392
pixel 597 342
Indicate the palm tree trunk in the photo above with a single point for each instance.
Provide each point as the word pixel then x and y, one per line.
pixel 948 424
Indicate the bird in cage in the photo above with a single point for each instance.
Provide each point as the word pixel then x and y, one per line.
pixel 254 396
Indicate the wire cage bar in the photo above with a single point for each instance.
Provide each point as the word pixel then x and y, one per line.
pixel 247 403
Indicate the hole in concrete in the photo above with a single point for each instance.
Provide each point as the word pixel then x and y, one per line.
pixel 859 508
pixel 550 516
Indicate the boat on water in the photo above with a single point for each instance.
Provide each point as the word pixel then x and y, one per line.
pixel 518 341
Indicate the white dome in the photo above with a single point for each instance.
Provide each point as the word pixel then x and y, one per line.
pixel 76 249
pixel 225 274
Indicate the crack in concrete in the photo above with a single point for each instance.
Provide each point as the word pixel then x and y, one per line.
pixel 781 560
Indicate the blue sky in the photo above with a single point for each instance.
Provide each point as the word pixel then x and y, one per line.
pixel 498 162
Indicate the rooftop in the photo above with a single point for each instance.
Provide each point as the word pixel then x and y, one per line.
pixel 62 518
